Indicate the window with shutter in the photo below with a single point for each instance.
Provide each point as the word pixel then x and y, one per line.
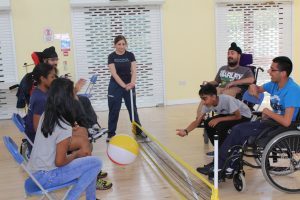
pixel 94 29
pixel 8 69
pixel 263 29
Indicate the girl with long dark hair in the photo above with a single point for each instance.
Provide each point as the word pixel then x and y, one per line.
pixel 49 160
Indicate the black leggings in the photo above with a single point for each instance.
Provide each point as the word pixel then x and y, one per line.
pixel 221 129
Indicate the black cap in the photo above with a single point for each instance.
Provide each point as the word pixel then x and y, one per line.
pixel 234 47
pixel 50 52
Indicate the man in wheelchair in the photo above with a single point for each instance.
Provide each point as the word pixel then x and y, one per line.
pixel 231 79
pixel 285 95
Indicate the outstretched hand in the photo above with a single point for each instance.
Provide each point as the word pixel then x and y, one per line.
pixel 181 132
pixel 80 83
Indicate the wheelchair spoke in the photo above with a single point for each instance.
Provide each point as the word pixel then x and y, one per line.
pixel 281 161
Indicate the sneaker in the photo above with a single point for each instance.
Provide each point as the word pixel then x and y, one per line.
pixel 102 174
pixel 205 169
pixel 96 126
pixel 103 184
pixel 96 133
pixel 210 154
pixel 220 176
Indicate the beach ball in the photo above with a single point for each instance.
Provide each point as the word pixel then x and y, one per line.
pixel 122 149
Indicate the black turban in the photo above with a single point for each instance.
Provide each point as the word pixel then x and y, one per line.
pixel 234 47
pixel 50 53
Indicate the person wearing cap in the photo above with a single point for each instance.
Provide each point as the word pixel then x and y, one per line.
pixel 84 105
pixel 85 113
pixel 285 104
pixel 232 78
pixel 50 56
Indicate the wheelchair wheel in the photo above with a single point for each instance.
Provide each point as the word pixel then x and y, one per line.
pixel 205 137
pixel 281 162
pixel 239 182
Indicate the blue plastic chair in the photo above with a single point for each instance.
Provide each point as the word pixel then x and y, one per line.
pixel 90 86
pixel 32 186
pixel 20 124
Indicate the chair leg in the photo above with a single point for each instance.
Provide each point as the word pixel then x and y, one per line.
pixel 66 194
pixel 55 195
pixel 42 197
pixel 48 196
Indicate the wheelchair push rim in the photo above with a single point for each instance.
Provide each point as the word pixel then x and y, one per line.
pixel 281 162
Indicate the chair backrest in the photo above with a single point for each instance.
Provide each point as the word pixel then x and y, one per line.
pixel 19 122
pixel 32 185
pixel 92 82
pixel 94 78
pixel 246 59
pixel 13 149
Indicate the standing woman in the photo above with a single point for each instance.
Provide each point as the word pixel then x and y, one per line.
pixel 122 66
pixel 49 161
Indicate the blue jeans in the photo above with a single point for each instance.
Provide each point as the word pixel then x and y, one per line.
pixel 83 169
pixel 115 95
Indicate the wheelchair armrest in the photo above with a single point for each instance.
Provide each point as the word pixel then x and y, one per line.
pixel 257 113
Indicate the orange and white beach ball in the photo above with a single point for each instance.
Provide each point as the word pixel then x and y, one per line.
pixel 122 149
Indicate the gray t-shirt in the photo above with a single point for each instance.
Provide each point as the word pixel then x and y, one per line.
pixel 44 149
pixel 228 105
pixel 226 75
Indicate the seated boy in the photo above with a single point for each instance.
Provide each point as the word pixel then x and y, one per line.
pixel 230 112
pixel 284 100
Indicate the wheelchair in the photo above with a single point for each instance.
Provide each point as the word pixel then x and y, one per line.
pixel 246 60
pixel 276 150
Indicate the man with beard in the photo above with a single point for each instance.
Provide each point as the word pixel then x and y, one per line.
pixel 231 79
pixel 284 100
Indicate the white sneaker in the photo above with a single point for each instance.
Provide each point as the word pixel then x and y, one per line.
pixel 229 170
pixel 96 127
pixel 95 134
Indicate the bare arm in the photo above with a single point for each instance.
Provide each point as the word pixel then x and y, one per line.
pixel 36 119
pixel 133 72
pixel 61 157
pixel 114 74
pixel 80 141
pixel 133 76
pixel 254 90
pixel 244 81
pixel 285 120
pixel 79 84
pixel 78 144
pixel 191 126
